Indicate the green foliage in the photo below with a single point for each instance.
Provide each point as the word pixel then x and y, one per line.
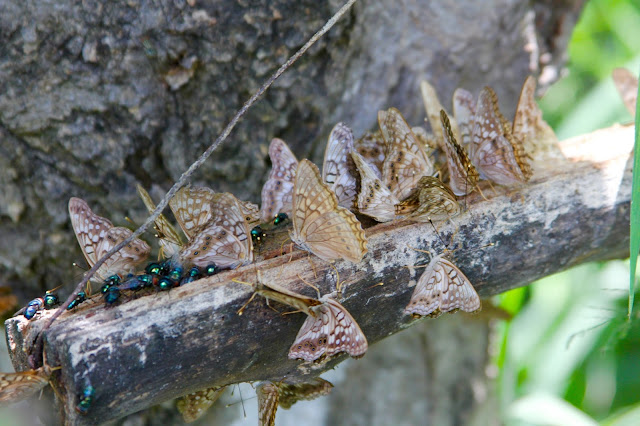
pixel 571 354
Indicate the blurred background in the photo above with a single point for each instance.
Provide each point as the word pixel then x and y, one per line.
pixel 569 356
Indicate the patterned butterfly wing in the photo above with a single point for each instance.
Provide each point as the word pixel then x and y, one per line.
pixel 627 85
pixel 463 176
pixel 192 208
pixel 277 190
pixel 375 199
pixel 268 396
pixel 289 394
pixel 431 200
pixel 433 106
pixel 225 240
pixel 442 288
pixel 464 108
pixel 124 260
pixel 338 170
pixel 321 226
pixel 169 238
pixel 332 331
pixel 371 147
pixel 287 297
pixel 529 128
pixel 97 235
pixel 406 160
pixel 14 387
pixel 494 150
pixel 194 405
pixel 251 213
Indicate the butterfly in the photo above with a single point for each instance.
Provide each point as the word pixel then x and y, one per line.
pixel 277 191
pixel 371 147
pixel 216 226
pixel 170 240
pixel 406 159
pixel 463 176
pixel 333 330
pixel 464 108
pixel 431 200
pixel 495 151
pixel 338 170
pixel 627 86
pixel 14 387
pixel 97 235
pixel 442 288
pixel 320 225
pixel 271 395
pixel 528 125
pixel 194 405
pixel 433 106
pixel 375 199
pixel 251 213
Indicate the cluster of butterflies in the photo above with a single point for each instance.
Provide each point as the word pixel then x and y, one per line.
pixel 386 175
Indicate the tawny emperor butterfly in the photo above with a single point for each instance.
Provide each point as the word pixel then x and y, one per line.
pixel 627 85
pixel 332 331
pixel 223 239
pixel 282 295
pixel 431 200
pixel 268 396
pixel 251 213
pixel 97 235
pixel 375 199
pixel 320 225
pixel 290 393
pixel 528 125
pixel 442 288
pixel 277 191
pixel 406 159
pixel 464 108
pixel 194 405
pixel 338 170
pixel 498 155
pixel 371 147
pixel 272 395
pixel 463 176
pixel 14 387
pixel 169 238
pixel 433 106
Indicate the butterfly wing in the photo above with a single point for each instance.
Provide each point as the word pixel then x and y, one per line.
pixel 406 160
pixel 90 229
pixel 251 213
pixel 464 108
pixel 529 128
pixel 14 387
pixel 124 260
pixel 627 85
pixel 289 394
pixel 332 331
pixel 433 106
pixel 338 169
pixel 463 176
pixel 374 199
pixel 268 396
pixel 431 200
pixel 277 190
pixel 194 405
pixel 494 151
pixel 192 208
pixel 169 239
pixel 442 288
pixel 371 147
pixel 319 224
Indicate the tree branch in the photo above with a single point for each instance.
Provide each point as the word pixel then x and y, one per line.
pixel 159 346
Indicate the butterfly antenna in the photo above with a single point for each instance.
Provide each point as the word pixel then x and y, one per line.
pixel 53 289
pixel 310 285
pixel 313 268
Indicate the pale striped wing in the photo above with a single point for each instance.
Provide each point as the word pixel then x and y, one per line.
pixel 338 170
pixel 464 108
pixel 14 387
pixel 192 208
pixel 278 189
pixel 307 391
pixel 431 200
pixel 463 176
pixel 268 395
pixel 371 147
pixel 375 199
pixel 321 226
pixel 433 106
pixel 169 238
pixel 196 404
pixel 529 128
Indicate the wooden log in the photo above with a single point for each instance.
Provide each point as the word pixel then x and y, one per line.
pixel 158 346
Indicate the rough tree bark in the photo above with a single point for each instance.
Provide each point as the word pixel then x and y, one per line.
pixel 95 97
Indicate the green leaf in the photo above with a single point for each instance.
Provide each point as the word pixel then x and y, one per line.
pixel 634 242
